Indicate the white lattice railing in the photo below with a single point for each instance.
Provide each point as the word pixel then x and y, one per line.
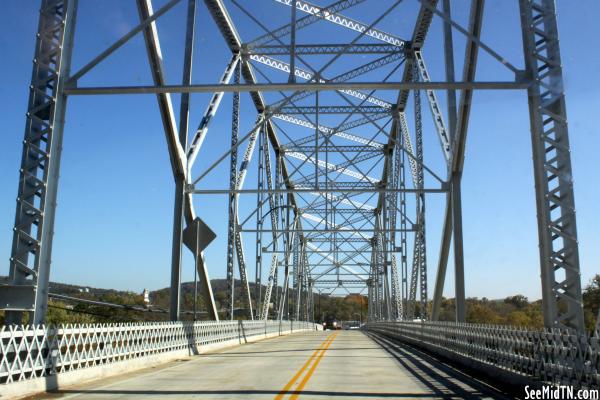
pixel 555 356
pixel 33 352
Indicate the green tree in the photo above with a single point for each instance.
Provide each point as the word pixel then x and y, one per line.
pixel 519 301
pixel 60 313
pixel 591 302
pixel 518 318
pixel 479 313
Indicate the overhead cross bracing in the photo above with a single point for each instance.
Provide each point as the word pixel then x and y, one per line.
pixel 326 178
pixel 334 142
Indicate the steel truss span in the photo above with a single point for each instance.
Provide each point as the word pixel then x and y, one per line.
pixel 329 179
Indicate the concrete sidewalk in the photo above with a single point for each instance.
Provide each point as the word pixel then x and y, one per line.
pixel 315 365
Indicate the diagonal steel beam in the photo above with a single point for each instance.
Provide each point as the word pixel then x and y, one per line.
pixel 176 151
pixel 175 147
pixel 436 112
pixel 340 132
pixel 210 112
pixel 124 39
pixel 221 17
pixel 332 167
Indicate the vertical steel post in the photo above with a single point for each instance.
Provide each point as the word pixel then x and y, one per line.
pixel 312 302
pixel 403 226
pixel 195 292
pixel 396 299
pixel 421 237
pixel 279 220
pixel 290 243
pixel 235 121
pixel 377 300
pixel 553 175
pixel 383 248
pixel 386 290
pixel 31 254
pixel 447 228
pixel 455 189
pixel 292 76
pixel 368 316
pixel 284 298
pixel 259 217
pixel 297 275
pixel 459 263
pixel 395 169
pixel 317 139
pixel 175 293
pixel 175 301
pixel 184 110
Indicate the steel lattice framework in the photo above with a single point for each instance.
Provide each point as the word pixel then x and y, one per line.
pixel 337 150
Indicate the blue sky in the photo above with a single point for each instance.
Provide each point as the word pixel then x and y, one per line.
pixel 113 226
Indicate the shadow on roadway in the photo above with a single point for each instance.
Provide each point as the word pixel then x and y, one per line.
pixel 442 379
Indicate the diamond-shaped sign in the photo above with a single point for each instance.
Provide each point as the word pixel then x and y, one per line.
pixel 197 236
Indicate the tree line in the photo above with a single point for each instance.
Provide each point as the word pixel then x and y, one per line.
pixel 514 310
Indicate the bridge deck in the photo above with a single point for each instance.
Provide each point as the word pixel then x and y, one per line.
pixel 316 365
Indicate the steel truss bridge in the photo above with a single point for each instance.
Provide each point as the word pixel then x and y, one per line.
pixel 337 199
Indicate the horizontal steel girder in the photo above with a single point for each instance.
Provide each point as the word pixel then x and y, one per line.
pixel 310 49
pixel 311 86
pixel 318 190
pixel 336 149
pixel 333 110
pixel 343 240
pixel 349 231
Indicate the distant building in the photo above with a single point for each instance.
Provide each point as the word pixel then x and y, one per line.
pixel 146 294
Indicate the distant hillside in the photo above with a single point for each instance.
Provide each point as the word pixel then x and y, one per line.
pixel 64 310
pixel 218 285
pixel 71 290
pixel 513 310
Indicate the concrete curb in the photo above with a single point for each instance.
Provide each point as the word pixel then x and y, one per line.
pixel 31 387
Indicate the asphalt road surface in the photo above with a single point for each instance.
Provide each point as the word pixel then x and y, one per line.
pixel 314 365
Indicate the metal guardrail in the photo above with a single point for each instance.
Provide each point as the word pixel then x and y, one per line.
pixel 557 357
pixel 28 352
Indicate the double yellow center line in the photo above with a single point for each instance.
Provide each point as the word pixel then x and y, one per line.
pixel 314 359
